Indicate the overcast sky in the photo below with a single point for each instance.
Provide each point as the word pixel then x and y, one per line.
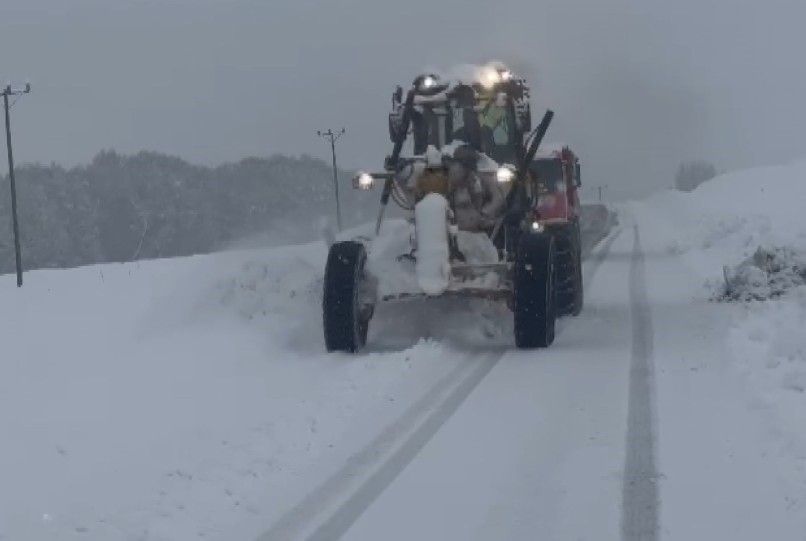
pixel 637 85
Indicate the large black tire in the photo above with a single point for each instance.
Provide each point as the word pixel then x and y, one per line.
pixel 534 303
pixel 570 294
pixel 346 320
pixel 579 291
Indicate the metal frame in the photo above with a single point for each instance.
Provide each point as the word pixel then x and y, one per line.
pixel 518 200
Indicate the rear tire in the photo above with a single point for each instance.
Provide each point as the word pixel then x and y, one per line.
pixel 345 314
pixel 579 294
pixel 570 295
pixel 534 303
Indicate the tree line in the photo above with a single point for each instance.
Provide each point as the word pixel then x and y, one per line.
pixel 149 205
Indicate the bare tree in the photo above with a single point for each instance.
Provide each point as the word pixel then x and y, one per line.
pixel 691 174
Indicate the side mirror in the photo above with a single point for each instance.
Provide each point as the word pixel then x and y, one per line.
pixel 577 175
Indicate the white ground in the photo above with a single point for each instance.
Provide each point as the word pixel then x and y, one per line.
pixel 192 398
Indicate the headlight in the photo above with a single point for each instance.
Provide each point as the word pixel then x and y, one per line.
pixel 427 82
pixel 363 181
pixel 489 77
pixel 504 175
pixel 537 227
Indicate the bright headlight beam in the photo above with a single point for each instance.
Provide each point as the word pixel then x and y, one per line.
pixel 429 81
pixel 504 174
pixel 364 181
pixel 489 77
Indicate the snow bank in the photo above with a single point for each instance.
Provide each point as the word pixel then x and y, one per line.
pixel 732 215
pixel 188 398
pixel 744 235
pixel 767 274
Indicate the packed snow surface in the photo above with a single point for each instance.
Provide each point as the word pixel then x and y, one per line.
pixel 182 399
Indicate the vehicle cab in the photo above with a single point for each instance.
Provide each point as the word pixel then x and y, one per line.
pixel 556 172
pixel 492 118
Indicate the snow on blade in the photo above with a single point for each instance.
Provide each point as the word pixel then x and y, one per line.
pixel 433 270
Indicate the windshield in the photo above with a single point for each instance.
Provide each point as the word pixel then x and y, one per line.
pixel 548 173
pixel 485 126
pixel 496 135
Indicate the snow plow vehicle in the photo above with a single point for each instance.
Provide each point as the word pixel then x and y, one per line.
pixel 485 216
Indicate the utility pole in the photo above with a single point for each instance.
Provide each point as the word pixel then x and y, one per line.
pixel 8 91
pixel 333 137
pixel 600 188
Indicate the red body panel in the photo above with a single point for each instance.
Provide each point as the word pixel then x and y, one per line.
pixel 561 202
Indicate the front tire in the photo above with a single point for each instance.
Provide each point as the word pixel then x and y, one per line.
pixel 346 313
pixel 534 303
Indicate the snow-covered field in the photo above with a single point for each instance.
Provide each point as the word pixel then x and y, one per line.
pixel 181 399
pixel 192 398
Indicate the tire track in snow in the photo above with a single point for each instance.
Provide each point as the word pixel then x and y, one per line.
pixel 599 257
pixel 326 496
pixel 381 461
pixel 640 503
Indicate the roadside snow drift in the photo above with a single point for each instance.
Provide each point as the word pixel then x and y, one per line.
pixel 743 235
pixel 767 274
pixel 728 218
pixel 190 398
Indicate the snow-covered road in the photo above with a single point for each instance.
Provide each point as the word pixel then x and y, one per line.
pixel 192 399
pixel 531 446
pixel 563 444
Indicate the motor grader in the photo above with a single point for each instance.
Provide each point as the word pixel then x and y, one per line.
pixel 473 198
